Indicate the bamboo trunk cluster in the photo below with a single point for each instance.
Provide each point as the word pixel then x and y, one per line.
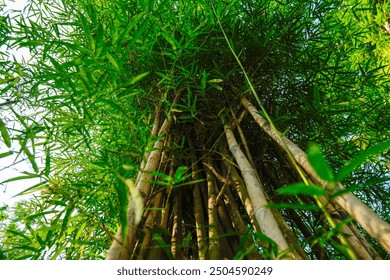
pixel 219 207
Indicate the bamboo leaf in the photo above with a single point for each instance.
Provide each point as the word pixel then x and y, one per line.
pixel 24 177
pixel 87 31
pixel 118 42
pixel 204 80
pixel 301 188
pixel 80 231
pixel 319 164
pixel 113 61
pixel 33 188
pixel 68 213
pixel 4 134
pixel 6 154
pixel 178 177
pixel 47 161
pixel 123 197
pixel 44 213
pixel 215 81
pixel 139 32
pixel 138 78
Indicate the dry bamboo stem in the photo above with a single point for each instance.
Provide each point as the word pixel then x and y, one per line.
pixel 268 224
pixel 368 219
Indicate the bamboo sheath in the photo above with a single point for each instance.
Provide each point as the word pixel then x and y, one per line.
pixel 368 219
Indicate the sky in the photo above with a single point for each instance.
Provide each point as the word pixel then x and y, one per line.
pixel 7 167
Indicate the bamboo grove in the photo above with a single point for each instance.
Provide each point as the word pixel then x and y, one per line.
pixel 198 130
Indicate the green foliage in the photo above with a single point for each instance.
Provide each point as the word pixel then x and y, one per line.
pixel 317 161
pixel 302 189
pixel 361 157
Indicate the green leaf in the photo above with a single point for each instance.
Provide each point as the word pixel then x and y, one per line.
pixel 360 158
pixel 32 189
pixel 110 103
pixel 301 189
pixel 219 8
pixel 30 176
pixel 319 163
pixel 87 31
pixel 44 213
pixel 317 100
pixel 113 61
pixel 178 177
pixel 80 231
pixel 47 162
pixel 18 233
pixel 99 39
pixel 123 197
pixel 138 78
pixel 118 41
pixel 204 80
pixel 215 81
pixel 6 154
pixel 4 134
pixel 139 32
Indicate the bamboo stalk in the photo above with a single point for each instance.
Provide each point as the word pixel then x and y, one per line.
pixel 143 185
pixel 154 133
pixel 199 215
pixel 149 224
pixel 368 219
pixel 240 226
pixel 243 138
pixel 229 242
pixel 239 186
pixel 214 245
pixel 268 224
pixel 177 237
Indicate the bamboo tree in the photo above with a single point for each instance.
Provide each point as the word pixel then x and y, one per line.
pixel 117 114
